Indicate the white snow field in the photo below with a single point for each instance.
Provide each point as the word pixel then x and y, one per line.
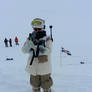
pixel 67 72
pixel 72 29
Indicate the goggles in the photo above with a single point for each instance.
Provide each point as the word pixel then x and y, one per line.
pixel 36 23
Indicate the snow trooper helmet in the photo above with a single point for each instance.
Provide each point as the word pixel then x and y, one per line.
pixel 38 23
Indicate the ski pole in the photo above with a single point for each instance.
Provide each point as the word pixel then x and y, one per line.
pixel 51 32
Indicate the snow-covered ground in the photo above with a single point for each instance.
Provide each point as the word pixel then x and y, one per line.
pixel 67 72
pixel 72 29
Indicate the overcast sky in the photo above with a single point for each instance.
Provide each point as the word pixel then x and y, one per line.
pixel 71 20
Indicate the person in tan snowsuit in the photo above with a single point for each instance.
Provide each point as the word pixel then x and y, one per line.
pixel 38 45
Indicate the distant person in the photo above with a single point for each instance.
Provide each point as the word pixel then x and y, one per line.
pixel 6 42
pixel 10 42
pixel 16 40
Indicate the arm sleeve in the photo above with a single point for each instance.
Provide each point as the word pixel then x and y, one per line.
pixel 48 46
pixel 27 46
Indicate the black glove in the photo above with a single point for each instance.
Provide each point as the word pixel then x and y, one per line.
pixel 29 37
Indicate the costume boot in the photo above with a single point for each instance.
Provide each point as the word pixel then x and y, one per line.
pixel 47 90
pixel 36 89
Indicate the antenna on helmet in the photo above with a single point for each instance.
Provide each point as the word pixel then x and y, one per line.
pixel 51 32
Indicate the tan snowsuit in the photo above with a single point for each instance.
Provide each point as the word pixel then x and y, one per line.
pixel 40 70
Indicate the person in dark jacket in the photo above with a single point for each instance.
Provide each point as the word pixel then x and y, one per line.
pixel 6 42
pixel 10 42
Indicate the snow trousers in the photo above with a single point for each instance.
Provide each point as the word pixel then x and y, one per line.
pixel 43 81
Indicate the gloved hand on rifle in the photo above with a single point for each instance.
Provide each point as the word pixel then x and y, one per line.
pixel 42 49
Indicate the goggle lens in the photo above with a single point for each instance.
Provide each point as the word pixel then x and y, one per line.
pixel 36 23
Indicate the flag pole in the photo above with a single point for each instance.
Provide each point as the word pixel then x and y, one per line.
pixel 61 61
